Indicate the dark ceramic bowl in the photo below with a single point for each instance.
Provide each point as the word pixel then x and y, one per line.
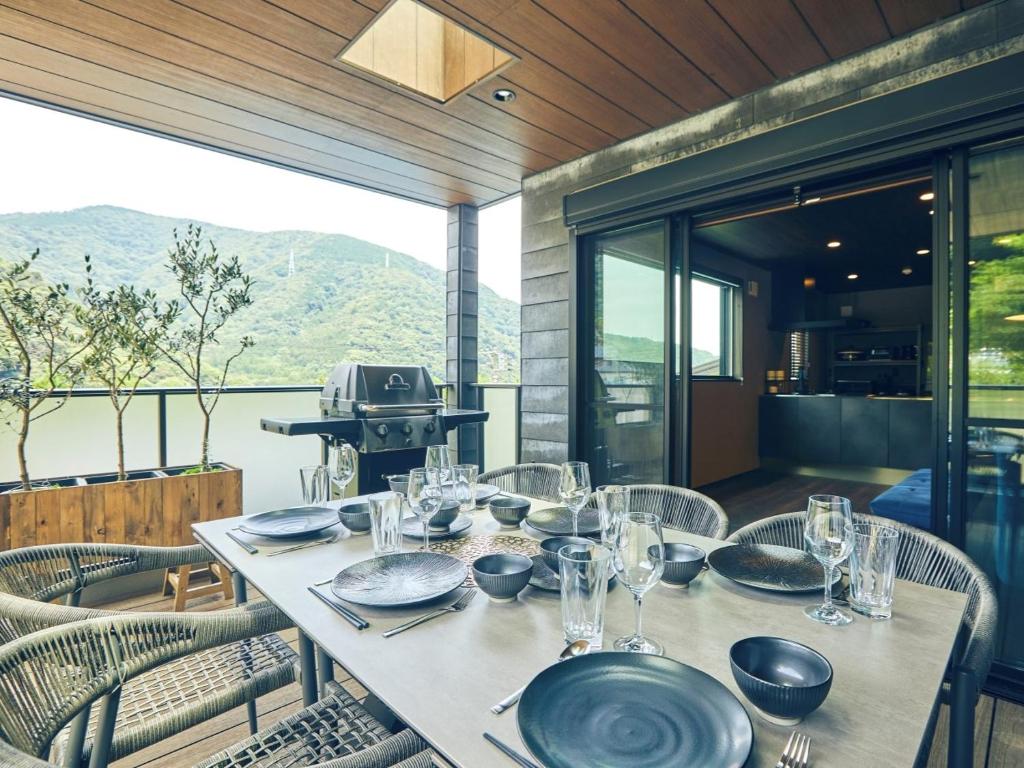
pixel 356 517
pixel 445 516
pixel 502 576
pixel 399 483
pixel 549 548
pixel 784 680
pixel 683 564
pixel 509 511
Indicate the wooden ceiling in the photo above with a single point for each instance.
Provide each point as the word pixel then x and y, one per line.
pixel 260 77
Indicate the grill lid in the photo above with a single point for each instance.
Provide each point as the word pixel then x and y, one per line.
pixel 364 391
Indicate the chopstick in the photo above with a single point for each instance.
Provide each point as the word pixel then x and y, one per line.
pixel 351 617
pixel 243 544
pixel 509 752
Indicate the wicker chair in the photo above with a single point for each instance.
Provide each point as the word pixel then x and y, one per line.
pixel 681 509
pixel 48 677
pixel 158 704
pixel 539 481
pixel 925 559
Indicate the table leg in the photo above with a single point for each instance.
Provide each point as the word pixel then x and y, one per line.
pixel 307 667
pixel 238 581
pixel 324 670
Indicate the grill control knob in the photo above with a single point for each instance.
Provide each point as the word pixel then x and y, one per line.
pixel 407 429
pixel 381 430
pixel 429 427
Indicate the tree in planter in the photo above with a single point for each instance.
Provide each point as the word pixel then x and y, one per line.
pixel 39 335
pixel 127 329
pixel 213 291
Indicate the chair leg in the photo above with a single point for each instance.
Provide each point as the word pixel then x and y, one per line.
pixel 963 698
pixel 181 587
pixel 218 570
pixel 76 739
pixel 250 710
pixel 105 729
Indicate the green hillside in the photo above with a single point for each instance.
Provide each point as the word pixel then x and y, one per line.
pixel 348 300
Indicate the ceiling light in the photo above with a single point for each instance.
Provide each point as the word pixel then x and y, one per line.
pixel 927 196
pixel 809 282
pixel 504 95
pixel 907 271
pixel 852 276
pixel 971 263
pixel 923 251
pixel 931 212
pixel 833 243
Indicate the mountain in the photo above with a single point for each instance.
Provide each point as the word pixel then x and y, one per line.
pixel 347 300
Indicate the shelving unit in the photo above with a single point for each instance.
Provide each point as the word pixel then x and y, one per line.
pixel 868 338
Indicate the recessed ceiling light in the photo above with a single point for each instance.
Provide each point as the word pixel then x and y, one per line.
pixel 927 196
pixel 971 263
pixel 931 212
pixel 907 271
pixel 504 95
pixel 833 243
pixel 852 276
pixel 810 282
pixel 923 251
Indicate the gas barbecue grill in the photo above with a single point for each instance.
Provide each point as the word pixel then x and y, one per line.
pixel 389 413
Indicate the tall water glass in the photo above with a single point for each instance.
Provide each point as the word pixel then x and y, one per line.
pixel 574 490
pixel 873 569
pixel 425 496
pixel 638 559
pixel 439 458
pixel 464 485
pixel 828 533
pixel 583 576
pixel 385 522
pixel 341 466
pixel 315 490
pixel 613 506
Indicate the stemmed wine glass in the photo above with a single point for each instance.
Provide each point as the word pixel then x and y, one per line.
pixel 425 498
pixel 438 458
pixel 828 532
pixel 341 466
pixel 638 559
pixel 574 488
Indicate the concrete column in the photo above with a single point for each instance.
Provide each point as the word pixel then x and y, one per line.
pixel 463 307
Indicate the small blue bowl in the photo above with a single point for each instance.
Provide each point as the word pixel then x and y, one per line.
pixel 509 511
pixel 784 680
pixel 445 516
pixel 356 517
pixel 550 546
pixel 683 563
pixel 502 576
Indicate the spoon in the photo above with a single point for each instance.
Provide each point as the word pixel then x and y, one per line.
pixel 576 648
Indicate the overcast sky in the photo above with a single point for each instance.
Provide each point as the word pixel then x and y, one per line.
pixel 52 161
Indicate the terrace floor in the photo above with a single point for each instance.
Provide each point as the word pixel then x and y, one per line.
pixel 999 736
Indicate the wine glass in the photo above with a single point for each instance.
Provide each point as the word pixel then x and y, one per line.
pixel 828 532
pixel 438 458
pixel 574 488
pixel 341 466
pixel 425 498
pixel 638 559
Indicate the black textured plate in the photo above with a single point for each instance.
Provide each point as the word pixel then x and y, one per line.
pixel 289 523
pixel 406 578
pixel 558 521
pixel 632 710
pixel 766 566
pixel 413 528
pixel 544 578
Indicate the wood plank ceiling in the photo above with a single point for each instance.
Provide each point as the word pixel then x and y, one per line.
pixel 259 77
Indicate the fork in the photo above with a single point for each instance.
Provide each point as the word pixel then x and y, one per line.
pixel 306 545
pixel 796 753
pixel 458 605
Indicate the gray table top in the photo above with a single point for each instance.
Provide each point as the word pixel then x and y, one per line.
pixel 442 677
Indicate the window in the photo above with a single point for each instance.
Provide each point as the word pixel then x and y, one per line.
pixel 715 312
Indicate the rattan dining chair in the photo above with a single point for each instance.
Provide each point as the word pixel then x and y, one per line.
pixel 681 509
pixel 48 677
pixel 925 559
pixel 537 480
pixel 160 703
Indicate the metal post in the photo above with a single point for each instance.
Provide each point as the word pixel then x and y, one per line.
pixel 324 670
pixel 307 667
pixel 963 697
pixel 161 427
pixel 100 755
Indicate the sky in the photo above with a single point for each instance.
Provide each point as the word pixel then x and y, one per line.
pixel 52 161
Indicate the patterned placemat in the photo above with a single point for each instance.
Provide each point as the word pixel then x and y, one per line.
pixel 469 548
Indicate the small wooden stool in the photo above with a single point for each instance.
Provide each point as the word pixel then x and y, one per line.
pixel 179 580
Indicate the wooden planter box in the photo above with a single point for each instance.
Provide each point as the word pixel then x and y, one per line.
pixel 154 508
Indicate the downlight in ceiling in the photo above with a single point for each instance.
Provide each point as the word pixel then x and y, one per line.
pixel 420 50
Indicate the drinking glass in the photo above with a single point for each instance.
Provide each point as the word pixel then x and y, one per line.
pixel 425 498
pixel 574 488
pixel 873 569
pixel 385 522
pixel 464 481
pixel 583 577
pixel 341 466
pixel 828 532
pixel 613 506
pixel 639 560
pixel 440 459
pixel 314 484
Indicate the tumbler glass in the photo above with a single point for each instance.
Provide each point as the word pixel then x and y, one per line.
pixel 583 571
pixel 464 481
pixel 873 569
pixel 315 484
pixel 385 522
pixel 613 506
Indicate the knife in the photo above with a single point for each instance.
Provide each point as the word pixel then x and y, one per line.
pixel 243 544
pixel 351 617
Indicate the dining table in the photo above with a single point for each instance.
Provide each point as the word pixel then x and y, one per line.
pixel 442 677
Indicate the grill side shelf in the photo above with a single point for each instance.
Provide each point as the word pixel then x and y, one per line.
pixel 312 425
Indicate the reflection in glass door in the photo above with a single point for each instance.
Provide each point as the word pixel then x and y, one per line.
pixel 993 497
pixel 622 373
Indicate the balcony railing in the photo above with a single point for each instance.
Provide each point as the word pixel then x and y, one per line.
pixel 162 428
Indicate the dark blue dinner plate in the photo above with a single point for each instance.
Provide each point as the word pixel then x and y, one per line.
pixel 631 710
